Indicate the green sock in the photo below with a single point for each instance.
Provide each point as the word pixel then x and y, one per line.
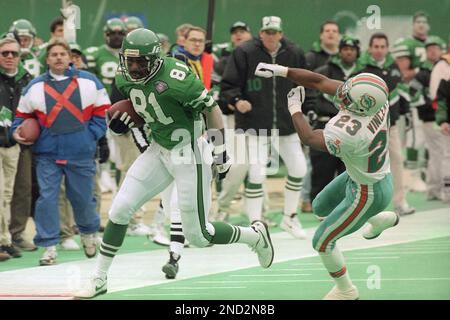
pixel 226 233
pixel 111 242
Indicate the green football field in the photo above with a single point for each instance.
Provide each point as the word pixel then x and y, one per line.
pixel 411 261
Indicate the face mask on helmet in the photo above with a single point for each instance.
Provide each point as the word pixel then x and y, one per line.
pixel 364 94
pixel 114 38
pixel 138 68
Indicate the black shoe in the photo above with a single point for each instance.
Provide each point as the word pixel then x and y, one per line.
pixel 12 251
pixel 171 267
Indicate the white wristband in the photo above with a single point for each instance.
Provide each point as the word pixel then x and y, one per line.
pixel 294 109
pixel 282 71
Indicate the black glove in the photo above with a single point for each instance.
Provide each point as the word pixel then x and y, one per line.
pixel 120 123
pixel 103 150
pixel 222 164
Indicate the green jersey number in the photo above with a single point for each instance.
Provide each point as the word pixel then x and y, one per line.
pixel 378 156
pixel 144 107
pixel 352 128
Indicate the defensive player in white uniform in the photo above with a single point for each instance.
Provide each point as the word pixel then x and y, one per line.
pixel 358 134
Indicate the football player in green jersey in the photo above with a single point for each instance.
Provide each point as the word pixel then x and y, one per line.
pixel 171 100
pixel 409 54
pixel 25 33
pixel 103 61
pixel 133 23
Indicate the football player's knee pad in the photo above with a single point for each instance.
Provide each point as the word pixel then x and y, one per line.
pixel 121 210
pixel 257 174
pixel 317 244
pixel 200 238
pixel 196 239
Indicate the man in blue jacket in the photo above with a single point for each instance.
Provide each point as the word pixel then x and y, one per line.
pixel 70 107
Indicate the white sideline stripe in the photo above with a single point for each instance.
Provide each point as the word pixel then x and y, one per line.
pixel 201 288
pixel 407 252
pixel 274 274
pixel 158 294
pixel 142 269
pixel 318 280
pixel 299 269
pixel 375 258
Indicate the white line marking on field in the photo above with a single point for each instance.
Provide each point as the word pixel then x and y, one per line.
pixel 274 274
pixel 200 288
pixel 374 258
pixel 317 280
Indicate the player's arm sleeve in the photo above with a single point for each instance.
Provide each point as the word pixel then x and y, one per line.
pixel 336 142
pixel 234 77
pixel 195 96
pixel 116 94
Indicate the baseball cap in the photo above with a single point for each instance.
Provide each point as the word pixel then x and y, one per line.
pixel 271 23
pixel 348 41
pixel 75 47
pixel 239 25
pixel 435 40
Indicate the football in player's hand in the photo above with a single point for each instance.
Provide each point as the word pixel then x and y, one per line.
pixel 30 130
pixel 126 106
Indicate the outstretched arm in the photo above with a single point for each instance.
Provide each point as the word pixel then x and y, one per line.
pixel 301 77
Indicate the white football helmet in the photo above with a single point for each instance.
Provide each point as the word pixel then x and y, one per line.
pixel 364 94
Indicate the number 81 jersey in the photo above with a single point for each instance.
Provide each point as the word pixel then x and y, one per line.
pixel 362 143
pixel 170 102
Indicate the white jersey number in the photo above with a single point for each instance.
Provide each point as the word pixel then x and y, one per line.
pixel 144 106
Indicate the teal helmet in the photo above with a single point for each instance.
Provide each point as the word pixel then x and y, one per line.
pixel 140 55
pixel 133 23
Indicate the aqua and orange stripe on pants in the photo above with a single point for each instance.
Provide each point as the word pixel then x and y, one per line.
pixel 346 206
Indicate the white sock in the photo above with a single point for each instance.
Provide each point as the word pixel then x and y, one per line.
pixel 102 266
pixel 176 247
pixel 254 197
pixel 292 194
pixel 246 235
pixel 334 263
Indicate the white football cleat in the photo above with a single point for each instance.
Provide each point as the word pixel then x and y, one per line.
pixel 95 287
pixel 138 229
pixel 263 247
pixel 69 245
pixel 382 221
pixel 336 294
pixel 291 224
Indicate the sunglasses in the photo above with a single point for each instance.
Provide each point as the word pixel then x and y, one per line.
pixel 5 54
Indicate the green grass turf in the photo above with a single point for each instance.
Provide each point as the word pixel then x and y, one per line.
pixel 404 274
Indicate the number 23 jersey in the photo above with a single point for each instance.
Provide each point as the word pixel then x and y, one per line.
pixel 170 102
pixel 362 143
